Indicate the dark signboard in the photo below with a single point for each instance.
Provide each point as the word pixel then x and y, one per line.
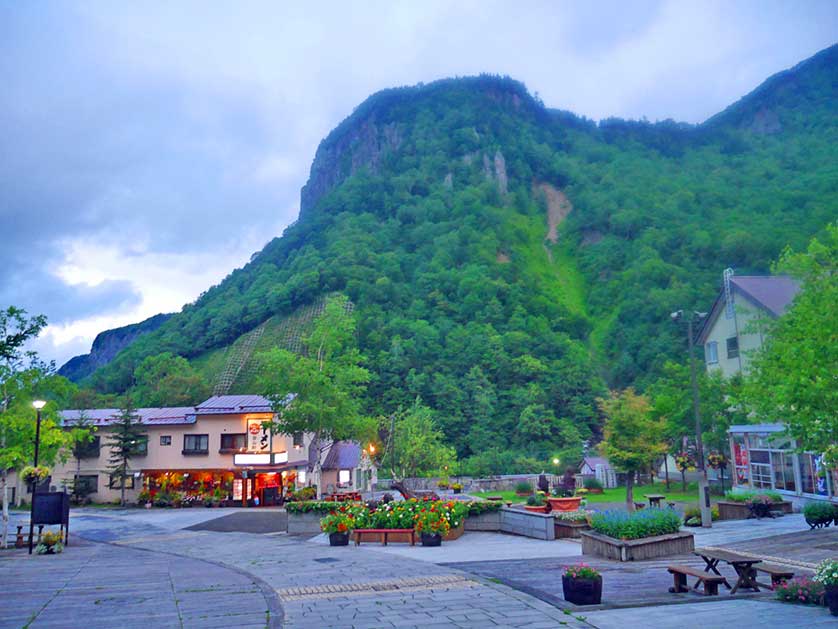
pixel 51 508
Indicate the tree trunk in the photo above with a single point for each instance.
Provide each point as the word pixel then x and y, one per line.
pixel 630 492
pixel 122 489
pixel 5 534
pixel 684 480
pixel 666 470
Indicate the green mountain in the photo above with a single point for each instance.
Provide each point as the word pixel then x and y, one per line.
pixel 506 261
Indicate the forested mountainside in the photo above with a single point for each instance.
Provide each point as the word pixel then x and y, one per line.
pixel 507 262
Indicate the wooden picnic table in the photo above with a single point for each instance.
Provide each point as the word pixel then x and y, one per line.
pixel 655 499
pixel 743 564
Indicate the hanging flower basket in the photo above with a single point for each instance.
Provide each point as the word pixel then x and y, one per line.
pixel 38 475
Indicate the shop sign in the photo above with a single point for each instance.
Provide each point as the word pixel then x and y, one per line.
pixel 258 436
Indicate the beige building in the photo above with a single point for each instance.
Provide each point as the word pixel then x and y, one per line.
pixel 735 326
pixel 222 448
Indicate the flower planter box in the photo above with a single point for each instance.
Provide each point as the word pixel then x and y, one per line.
pixel 454 533
pixel 729 510
pixel 680 543
pixel 566 529
pixel 521 494
pixel 304 523
pixel 597 490
pixel 535 509
pixel 565 504
pixel 582 591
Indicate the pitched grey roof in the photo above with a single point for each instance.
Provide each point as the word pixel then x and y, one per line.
pixel 773 292
pixel 343 455
pixel 146 416
pixel 222 404
pixel 593 461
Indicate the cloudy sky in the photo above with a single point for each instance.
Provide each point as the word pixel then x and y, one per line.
pixel 148 148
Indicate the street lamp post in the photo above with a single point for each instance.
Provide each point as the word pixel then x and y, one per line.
pixel 38 404
pixel 703 488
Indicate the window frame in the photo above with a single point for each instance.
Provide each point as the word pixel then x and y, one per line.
pixel 228 450
pixel 195 451
pixel 711 353
pixel 95 478
pixel 166 444
pixel 85 451
pixel 734 351
pixel 129 481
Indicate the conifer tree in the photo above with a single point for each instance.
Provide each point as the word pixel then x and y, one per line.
pixel 127 439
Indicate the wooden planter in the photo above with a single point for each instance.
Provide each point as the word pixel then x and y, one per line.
pixel 597 490
pixel 565 529
pixel 534 509
pixel 454 533
pixel 565 504
pixel 729 510
pixel 680 543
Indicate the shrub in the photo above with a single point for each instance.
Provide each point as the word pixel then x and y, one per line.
pixel 339 522
pixel 457 486
pixel 591 483
pixel 442 483
pixel 749 496
pixel 646 523
pixel 801 590
pixel 819 512
pixel 523 487
pixel 480 507
pixel 432 520
pixel 827 572
pixel 694 511
pixel 572 516
pixel 314 506
pixel 581 571
pixel 536 500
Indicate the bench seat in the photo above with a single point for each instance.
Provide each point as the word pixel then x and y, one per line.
pixel 778 574
pixel 710 581
pixel 384 534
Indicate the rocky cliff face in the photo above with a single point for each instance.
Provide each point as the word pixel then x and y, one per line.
pixel 108 344
pixel 364 145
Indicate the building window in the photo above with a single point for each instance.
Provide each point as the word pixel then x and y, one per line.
pixel 783 464
pixel 165 440
pixel 195 444
pixel 86 484
pixel 813 475
pixel 761 469
pixel 733 347
pixel 298 439
pixel 88 449
pixel 344 477
pixel 140 447
pixel 233 443
pixel 115 481
pixel 711 352
pixel 301 477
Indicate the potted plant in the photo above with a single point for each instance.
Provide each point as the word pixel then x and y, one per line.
pixel 338 524
pixel 457 487
pixel 582 585
pixel 431 524
pixel 760 506
pixel 537 503
pixel 523 488
pixel 442 483
pixel 827 575
pixel 592 485
pixel 34 475
pixel 819 514
pixel 50 544
pixel 560 502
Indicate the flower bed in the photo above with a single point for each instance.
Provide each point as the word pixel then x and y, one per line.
pixel 736 504
pixel 569 524
pixel 646 523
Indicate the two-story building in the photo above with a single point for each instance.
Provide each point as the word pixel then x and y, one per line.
pixel 763 456
pixel 223 448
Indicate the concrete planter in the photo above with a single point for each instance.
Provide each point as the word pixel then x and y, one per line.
pixel 566 530
pixel 527 523
pixel 680 543
pixel 729 510
pixel 304 523
pixel 489 521
pixel 455 533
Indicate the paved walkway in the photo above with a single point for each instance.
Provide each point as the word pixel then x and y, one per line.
pixel 103 586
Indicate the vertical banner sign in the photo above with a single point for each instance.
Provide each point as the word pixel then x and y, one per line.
pixel 258 436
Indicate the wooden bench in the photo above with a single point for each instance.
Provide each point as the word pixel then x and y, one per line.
pixel 778 574
pixel 710 581
pixel 383 534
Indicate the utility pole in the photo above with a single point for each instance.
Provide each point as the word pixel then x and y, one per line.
pixel 703 485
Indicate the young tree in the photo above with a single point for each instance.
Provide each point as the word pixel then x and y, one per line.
pixel 793 376
pixel 15 330
pixel 127 439
pixel 633 439
pixel 414 445
pixel 320 391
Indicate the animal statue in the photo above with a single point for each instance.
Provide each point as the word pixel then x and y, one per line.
pixel 407 494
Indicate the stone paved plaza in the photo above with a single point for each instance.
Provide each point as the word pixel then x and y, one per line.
pixel 184 569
